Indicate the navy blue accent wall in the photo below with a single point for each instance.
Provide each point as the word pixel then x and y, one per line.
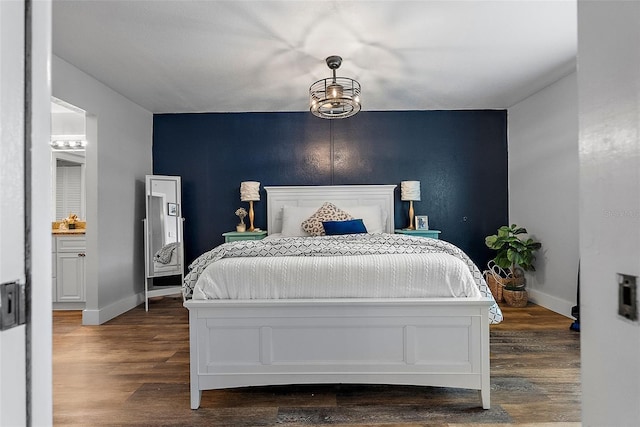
pixel 460 158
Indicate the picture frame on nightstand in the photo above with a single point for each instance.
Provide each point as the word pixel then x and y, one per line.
pixel 422 222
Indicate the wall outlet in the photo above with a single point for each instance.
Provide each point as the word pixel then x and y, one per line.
pixel 627 297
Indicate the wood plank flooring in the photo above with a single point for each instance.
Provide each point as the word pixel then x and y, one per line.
pixel 134 371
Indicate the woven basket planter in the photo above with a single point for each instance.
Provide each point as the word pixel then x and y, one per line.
pixel 499 280
pixel 514 282
pixel 515 298
pixel 495 285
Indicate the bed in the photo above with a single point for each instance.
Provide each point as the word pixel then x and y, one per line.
pixel 264 340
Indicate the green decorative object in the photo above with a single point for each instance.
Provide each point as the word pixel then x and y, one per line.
pixel 434 234
pixel 234 236
pixel 513 254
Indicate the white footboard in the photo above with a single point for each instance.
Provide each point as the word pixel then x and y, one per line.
pixel 428 342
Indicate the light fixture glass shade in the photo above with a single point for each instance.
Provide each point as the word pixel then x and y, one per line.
pixel 410 190
pixel 68 142
pixel 250 191
pixel 334 97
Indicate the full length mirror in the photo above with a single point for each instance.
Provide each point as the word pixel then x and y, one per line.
pixel 163 233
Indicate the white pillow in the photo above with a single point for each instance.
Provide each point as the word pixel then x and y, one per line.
pixel 372 215
pixel 292 218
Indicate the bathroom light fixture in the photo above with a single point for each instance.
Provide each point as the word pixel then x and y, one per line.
pixel 68 144
pixel 334 97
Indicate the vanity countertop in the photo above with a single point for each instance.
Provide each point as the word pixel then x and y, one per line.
pixel 68 232
pixel 81 227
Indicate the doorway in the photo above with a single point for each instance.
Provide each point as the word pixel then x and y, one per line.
pixel 68 200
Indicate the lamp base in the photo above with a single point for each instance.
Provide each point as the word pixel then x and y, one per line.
pixel 411 216
pixel 251 215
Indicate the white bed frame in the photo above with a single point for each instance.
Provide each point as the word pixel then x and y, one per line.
pixel 426 342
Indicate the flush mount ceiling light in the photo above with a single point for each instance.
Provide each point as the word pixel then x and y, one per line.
pixel 335 97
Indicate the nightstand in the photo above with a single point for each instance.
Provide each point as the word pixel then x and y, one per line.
pixel 434 234
pixel 234 236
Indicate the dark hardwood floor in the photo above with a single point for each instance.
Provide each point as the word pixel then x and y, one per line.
pixel 134 370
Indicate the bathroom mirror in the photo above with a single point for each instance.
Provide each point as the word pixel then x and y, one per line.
pixel 68 176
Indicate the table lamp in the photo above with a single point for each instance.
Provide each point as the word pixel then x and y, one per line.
pixel 250 192
pixel 410 191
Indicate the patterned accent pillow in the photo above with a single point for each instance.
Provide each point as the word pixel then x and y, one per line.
pixel 326 212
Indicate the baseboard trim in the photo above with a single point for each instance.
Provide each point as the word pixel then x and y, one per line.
pixel 550 302
pixel 102 315
pixel 71 306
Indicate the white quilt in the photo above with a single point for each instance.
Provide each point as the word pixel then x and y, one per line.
pixel 357 276
pixel 351 266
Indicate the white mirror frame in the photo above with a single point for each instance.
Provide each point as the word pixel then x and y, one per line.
pixel 167 192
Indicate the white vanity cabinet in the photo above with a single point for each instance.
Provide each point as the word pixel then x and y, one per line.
pixel 69 272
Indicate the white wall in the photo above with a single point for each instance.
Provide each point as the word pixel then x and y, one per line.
pixel 609 119
pixel 543 188
pixel 119 135
pixel 67 124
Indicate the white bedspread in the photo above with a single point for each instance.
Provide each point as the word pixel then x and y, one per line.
pixel 357 276
pixel 356 266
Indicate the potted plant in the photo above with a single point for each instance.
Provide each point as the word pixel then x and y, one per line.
pixel 514 256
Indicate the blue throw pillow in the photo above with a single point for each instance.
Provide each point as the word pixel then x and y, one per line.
pixel 350 226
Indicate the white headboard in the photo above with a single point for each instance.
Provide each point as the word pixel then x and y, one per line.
pixel 340 195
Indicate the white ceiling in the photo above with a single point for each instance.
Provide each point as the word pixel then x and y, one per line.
pixel 241 56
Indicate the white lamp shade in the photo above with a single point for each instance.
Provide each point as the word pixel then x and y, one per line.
pixel 249 191
pixel 410 190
